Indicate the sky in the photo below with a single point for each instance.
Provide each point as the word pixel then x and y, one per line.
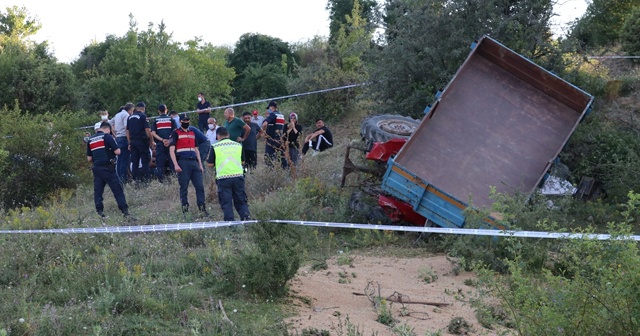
pixel 69 25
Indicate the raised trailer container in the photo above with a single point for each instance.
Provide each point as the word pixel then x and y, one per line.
pixel 500 122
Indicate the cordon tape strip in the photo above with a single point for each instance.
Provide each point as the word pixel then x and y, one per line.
pixel 210 225
pixel 350 86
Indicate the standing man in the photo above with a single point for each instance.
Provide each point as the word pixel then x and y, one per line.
pixel 250 144
pixel 238 130
pixel 161 130
pixel 273 126
pixel 290 139
pixel 101 150
pixel 257 119
pixel 211 132
pixel 227 157
pixel 320 140
pixel 119 123
pixel 186 160
pixel 203 108
pixel 140 140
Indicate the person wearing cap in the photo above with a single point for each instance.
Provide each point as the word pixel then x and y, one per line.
pixel 119 126
pixel 273 126
pixel 203 108
pixel 140 140
pixel 256 119
pixel 320 140
pixel 226 157
pixel 292 131
pixel 250 144
pixel 161 130
pixel 188 164
pixel 101 151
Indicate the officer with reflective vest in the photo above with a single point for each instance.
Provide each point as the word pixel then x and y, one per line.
pixel 187 163
pixel 161 131
pixel 101 150
pixel 227 159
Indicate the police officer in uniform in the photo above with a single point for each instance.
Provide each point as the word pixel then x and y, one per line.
pixel 161 130
pixel 187 163
pixel 140 140
pixel 273 126
pixel 101 150
pixel 227 159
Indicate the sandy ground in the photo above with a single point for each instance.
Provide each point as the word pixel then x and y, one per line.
pixel 325 296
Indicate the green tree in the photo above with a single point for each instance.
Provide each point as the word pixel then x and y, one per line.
pixel 257 50
pixel 339 10
pixel 29 74
pixel 149 66
pixel 342 64
pixel 17 25
pixel 426 41
pixel 601 24
pixel 630 33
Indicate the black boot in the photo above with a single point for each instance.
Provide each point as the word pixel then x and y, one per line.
pixel 185 208
pixel 203 209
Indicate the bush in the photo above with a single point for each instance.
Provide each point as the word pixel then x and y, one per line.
pixel 593 291
pixel 39 155
pixel 264 264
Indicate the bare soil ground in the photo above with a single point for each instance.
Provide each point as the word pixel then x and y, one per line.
pixel 325 297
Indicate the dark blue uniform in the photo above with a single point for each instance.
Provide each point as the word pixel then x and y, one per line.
pixel 184 143
pixel 137 125
pixel 100 148
pixel 275 129
pixel 163 126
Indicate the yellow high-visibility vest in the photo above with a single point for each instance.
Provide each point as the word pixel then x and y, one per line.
pixel 228 159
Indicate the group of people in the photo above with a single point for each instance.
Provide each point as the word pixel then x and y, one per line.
pixel 129 139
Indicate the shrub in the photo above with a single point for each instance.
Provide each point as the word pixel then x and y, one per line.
pixel 593 290
pixel 264 264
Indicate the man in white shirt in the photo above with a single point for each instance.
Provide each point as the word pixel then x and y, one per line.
pixel 212 125
pixel 119 125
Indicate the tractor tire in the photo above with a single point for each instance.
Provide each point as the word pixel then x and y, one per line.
pixel 382 128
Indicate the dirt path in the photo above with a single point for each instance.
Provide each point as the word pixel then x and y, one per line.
pixel 325 297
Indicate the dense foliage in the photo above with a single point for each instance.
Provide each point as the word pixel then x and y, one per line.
pixel 426 41
pixel 603 22
pixel 149 66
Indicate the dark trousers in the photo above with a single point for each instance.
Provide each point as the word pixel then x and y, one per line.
pixel 140 152
pixel 250 158
pixel 294 156
pixel 190 172
pixel 274 154
pixel 122 165
pixel 231 194
pixel 162 157
pixel 103 175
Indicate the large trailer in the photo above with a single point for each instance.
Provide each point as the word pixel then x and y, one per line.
pixel 500 123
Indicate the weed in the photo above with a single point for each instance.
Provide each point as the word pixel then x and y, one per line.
pixel 403 330
pixel 471 282
pixel 351 329
pixel 314 332
pixel 385 316
pixel 459 326
pixel 427 275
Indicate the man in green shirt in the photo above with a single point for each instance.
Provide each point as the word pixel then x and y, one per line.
pixel 238 130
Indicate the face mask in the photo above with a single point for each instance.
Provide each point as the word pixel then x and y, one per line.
pixel 199 99
pixel 185 125
pixel 210 126
pixel 104 117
